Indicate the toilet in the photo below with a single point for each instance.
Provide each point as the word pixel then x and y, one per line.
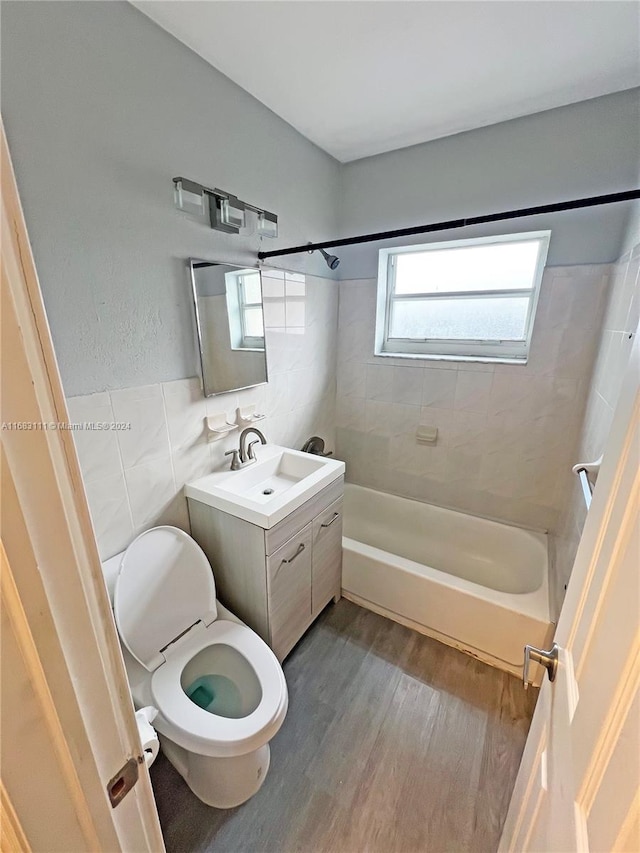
pixel 218 688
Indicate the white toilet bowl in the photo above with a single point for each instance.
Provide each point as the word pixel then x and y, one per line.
pixel 219 689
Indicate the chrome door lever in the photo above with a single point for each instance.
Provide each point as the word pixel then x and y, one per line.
pixel 548 659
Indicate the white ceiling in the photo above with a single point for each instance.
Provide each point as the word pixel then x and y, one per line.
pixel 361 77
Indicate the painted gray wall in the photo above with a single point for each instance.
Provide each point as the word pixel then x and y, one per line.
pixel 102 108
pixel 632 234
pixel 584 149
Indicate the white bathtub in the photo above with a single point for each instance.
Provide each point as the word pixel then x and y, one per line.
pixel 474 584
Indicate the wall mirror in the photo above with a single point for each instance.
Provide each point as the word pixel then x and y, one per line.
pixel 230 325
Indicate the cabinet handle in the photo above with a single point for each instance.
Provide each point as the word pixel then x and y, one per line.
pixel 329 523
pixel 297 554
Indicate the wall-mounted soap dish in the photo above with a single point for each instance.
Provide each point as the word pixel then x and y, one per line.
pixel 426 434
pixel 247 416
pixel 218 426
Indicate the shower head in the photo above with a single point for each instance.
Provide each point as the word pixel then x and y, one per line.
pixel 332 261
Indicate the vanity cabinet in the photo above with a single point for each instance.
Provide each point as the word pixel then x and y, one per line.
pixel 276 580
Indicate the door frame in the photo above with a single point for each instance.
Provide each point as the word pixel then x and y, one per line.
pixel 54 593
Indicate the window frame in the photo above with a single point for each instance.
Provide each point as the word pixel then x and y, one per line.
pixel 460 349
pixel 248 342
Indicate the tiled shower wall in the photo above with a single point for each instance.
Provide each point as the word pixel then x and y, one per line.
pixel 507 434
pixel 619 327
pixel 134 478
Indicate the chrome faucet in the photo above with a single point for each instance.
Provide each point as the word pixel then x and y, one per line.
pixel 245 455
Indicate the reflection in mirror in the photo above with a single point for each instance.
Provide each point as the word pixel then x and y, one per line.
pixel 230 326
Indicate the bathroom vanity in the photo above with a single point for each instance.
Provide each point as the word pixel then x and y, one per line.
pixel 273 535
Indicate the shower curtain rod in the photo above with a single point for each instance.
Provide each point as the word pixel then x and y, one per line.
pixel 593 201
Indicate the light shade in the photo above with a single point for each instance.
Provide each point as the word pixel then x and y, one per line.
pixel 189 196
pixel 267 224
pixel 231 213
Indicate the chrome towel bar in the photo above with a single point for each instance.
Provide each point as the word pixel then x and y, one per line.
pixel 583 469
pixel 585 482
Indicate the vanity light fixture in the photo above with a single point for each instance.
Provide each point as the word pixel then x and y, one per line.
pixel 226 211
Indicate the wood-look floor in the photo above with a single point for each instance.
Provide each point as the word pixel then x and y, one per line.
pixel 393 742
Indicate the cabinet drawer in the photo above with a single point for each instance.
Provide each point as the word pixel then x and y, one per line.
pixel 284 530
pixel 326 568
pixel 289 591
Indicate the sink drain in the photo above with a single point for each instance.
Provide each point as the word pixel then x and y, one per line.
pixel 268 492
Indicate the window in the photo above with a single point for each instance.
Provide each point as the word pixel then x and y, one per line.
pixel 244 307
pixel 466 299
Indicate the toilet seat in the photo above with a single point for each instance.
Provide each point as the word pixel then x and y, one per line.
pixel 165 586
pixel 201 731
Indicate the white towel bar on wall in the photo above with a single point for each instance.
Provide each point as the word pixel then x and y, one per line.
pixel 583 469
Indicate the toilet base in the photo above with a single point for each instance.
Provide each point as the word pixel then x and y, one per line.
pixel 223 783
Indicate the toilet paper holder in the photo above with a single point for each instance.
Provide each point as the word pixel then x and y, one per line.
pixel 148 735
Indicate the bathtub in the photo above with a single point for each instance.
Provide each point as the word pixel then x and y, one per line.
pixel 477 585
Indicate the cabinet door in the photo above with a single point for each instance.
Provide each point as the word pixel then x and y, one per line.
pixel 289 591
pixel 327 556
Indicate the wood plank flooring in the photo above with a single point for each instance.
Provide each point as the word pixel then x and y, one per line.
pixel 393 743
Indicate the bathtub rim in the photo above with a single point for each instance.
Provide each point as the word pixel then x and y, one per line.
pixel 534 604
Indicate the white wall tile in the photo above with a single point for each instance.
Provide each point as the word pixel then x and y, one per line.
pixel 148 438
pixel 350 413
pixel 439 388
pixel 379 419
pixel 468 431
pixel 151 488
pixel 379 382
pixel 407 385
pixel 110 513
pixel 295 312
pixel 277 395
pixel 274 312
pixel 351 379
pixel 98 449
pixel 190 463
pixel 185 411
pixel 472 391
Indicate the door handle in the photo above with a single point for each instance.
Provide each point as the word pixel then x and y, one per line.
pixel 548 659
pixel 297 554
pixel 329 523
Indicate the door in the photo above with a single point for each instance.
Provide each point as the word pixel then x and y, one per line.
pixel 67 720
pixel 289 591
pixel 578 787
pixel 326 566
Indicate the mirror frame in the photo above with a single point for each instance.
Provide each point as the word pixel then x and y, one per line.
pixel 194 294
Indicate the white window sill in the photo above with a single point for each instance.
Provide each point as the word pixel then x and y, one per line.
pixel 463 358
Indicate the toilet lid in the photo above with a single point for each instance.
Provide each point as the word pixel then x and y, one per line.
pixel 164 586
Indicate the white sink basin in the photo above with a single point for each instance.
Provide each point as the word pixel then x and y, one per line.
pixel 267 490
